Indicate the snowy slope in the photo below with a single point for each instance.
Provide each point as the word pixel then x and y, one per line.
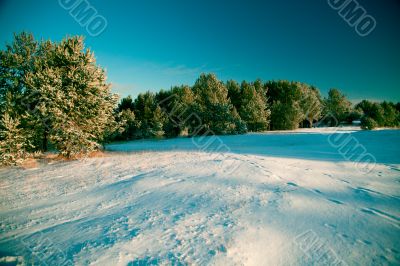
pixel 275 199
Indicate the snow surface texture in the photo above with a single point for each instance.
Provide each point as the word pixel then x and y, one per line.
pixel 275 199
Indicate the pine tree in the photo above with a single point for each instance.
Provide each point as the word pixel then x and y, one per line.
pixel 73 100
pixel 368 123
pixel 310 103
pixel 285 116
pixel 16 61
pixel 125 104
pixel 234 93
pixel 375 114
pixel 214 108
pixel 390 114
pixel 176 103
pixel 126 119
pixel 253 110
pixel 14 141
pixel 336 105
pixel 130 122
pixel 152 118
pixel 372 110
pixel 284 98
pixel 157 123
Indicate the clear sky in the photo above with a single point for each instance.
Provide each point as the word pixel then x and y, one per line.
pixel 149 45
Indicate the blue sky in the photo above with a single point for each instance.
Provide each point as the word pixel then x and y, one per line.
pixel 149 45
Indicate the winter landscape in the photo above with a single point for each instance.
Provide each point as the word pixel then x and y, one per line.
pixel 276 199
pixel 199 132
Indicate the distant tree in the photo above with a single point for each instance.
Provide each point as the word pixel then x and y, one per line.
pixel 127 122
pixel 214 108
pixel 261 88
pixel 310 103
pixel 167 101
pixel 253 108
pixel 398 113
pixel 234 93
pixel 375 114
pixel 284 98
pixel 336 105
pixel 125 104
pixel 397 107
pixel 373 111
pixel 177 104
pixel 150 115
pixel 368 123
pixel 355 114
pixel 129 125
pixel 284 116
pixel 390 114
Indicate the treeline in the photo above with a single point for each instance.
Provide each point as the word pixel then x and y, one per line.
pixel 211 106
pixel 53 95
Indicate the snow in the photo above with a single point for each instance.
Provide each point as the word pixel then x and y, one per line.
pixel 281 198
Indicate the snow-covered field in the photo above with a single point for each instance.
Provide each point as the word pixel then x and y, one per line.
pixel 297 198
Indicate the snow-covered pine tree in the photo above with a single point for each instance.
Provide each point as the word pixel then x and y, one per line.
pixel 390 114
pixel 336 105
pixel 157 123
pixel 128 124
pixel 284 98
pixel 253 108
pixel 311 103
pixel 151 116
pixel 16 61
pixel 234 93
pixel 73 97
pixel 126 120
pixel 14 141
pixel 171 104
pixel 214 107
